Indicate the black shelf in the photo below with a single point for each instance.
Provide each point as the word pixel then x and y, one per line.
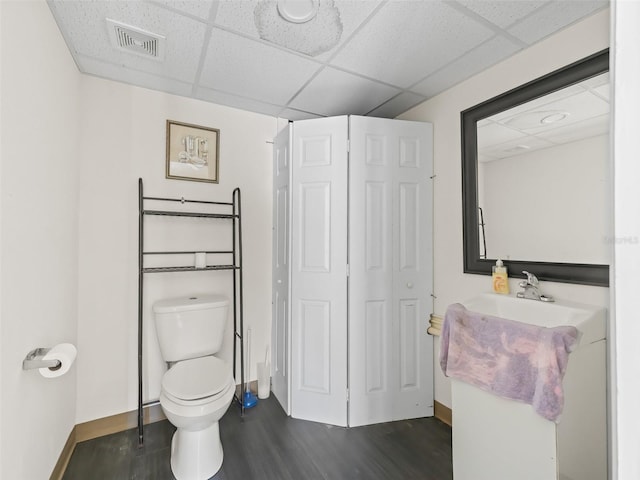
pixel 172 213
pixel 233 214
pixel 190 252
pixel 188 269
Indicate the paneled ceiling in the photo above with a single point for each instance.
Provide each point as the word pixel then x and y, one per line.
pixel 574 113
pixel 362 57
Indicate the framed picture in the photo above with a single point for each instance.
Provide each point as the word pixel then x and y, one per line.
pixel 192 152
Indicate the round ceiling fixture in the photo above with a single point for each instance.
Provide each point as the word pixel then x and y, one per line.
pixel 517 149
pixel 536 119
pixel 310 27
pixel 298 11
pixel 554 117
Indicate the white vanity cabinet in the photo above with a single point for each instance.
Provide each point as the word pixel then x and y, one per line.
pixel 500 439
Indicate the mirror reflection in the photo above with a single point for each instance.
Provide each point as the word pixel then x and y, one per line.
pixel 543 177
pixel 535 177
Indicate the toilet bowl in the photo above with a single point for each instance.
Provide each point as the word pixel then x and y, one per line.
pixel 195 394
pixel 198 387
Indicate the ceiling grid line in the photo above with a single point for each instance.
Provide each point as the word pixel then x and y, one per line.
pixel 444 67
pixel 480 19
pixel 175 11
pixel 205 45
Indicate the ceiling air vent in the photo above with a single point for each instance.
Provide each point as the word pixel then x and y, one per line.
pixel 135 40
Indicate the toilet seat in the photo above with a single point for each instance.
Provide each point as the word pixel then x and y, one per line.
pixel 197 381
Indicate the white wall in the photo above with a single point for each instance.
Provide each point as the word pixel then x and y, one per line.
pixel 625 389
pixel 39 235
pixel 72 152
pixel 122 139
pixel 549 204
pixel 451 285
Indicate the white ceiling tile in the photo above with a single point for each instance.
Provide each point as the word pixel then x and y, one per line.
pixel 516 147
pixel 84 23
pixel 599 80
pixel 584 104
pixel 197 8
pixel 475 61
pixel 319 34
pixel 352 14
pixel 577 107
pixel 604 91
pixel 483 158
pixel 334 92
pixel 293 114
pixel 397 105
pixel 235 101
pixel 599 85
pixel 587 116
pixel 406 41
pixel 134 77
pixel 544 102
pixel 503 12
pixel 496 134
pixel 591 127
pixel 249 68
pixel 553 17
pixel 237 16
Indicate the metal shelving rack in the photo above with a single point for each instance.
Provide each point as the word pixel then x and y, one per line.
pixel 233 214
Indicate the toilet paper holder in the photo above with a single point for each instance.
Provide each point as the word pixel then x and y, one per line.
pixel 34 359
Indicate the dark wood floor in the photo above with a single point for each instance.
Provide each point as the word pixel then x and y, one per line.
pixel 266 444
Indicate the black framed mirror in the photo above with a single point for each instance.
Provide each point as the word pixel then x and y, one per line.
pixel 520 122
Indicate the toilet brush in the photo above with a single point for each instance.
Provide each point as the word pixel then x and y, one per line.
pixel 248 399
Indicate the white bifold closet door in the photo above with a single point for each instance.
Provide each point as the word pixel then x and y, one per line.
pixel 360 273
pixel 391 274
pixel 280 338
pixel 319 270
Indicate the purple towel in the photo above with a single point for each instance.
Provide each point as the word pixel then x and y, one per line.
pixel 510 359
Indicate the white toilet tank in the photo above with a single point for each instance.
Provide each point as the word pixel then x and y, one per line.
pixel 190 327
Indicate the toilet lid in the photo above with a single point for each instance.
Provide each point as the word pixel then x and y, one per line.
pixel 197 378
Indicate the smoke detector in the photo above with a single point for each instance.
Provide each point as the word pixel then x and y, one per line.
pixel 134 40
pixel 297 11
pixel 310 27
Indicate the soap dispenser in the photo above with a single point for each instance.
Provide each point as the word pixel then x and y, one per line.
pixel 500 278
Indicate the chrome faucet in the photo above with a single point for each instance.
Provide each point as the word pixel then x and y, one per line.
pixel 531 290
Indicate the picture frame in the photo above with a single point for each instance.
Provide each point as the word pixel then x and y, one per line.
pixel 192 152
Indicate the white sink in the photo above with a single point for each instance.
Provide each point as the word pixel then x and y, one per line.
pixel 498 438
pixel 588 319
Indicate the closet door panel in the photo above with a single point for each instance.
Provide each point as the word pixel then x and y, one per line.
pixel 376 240
pixel 409 226
pixel 409 345
pixel 281 237
pixel 371 318
pixel 280 336
pixel 314 227
pixel 413 269
pixel 376 332
pixel 390 353
pixel 319 271
pixel 315 343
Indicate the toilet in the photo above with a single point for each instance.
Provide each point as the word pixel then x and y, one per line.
pixel 198 387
